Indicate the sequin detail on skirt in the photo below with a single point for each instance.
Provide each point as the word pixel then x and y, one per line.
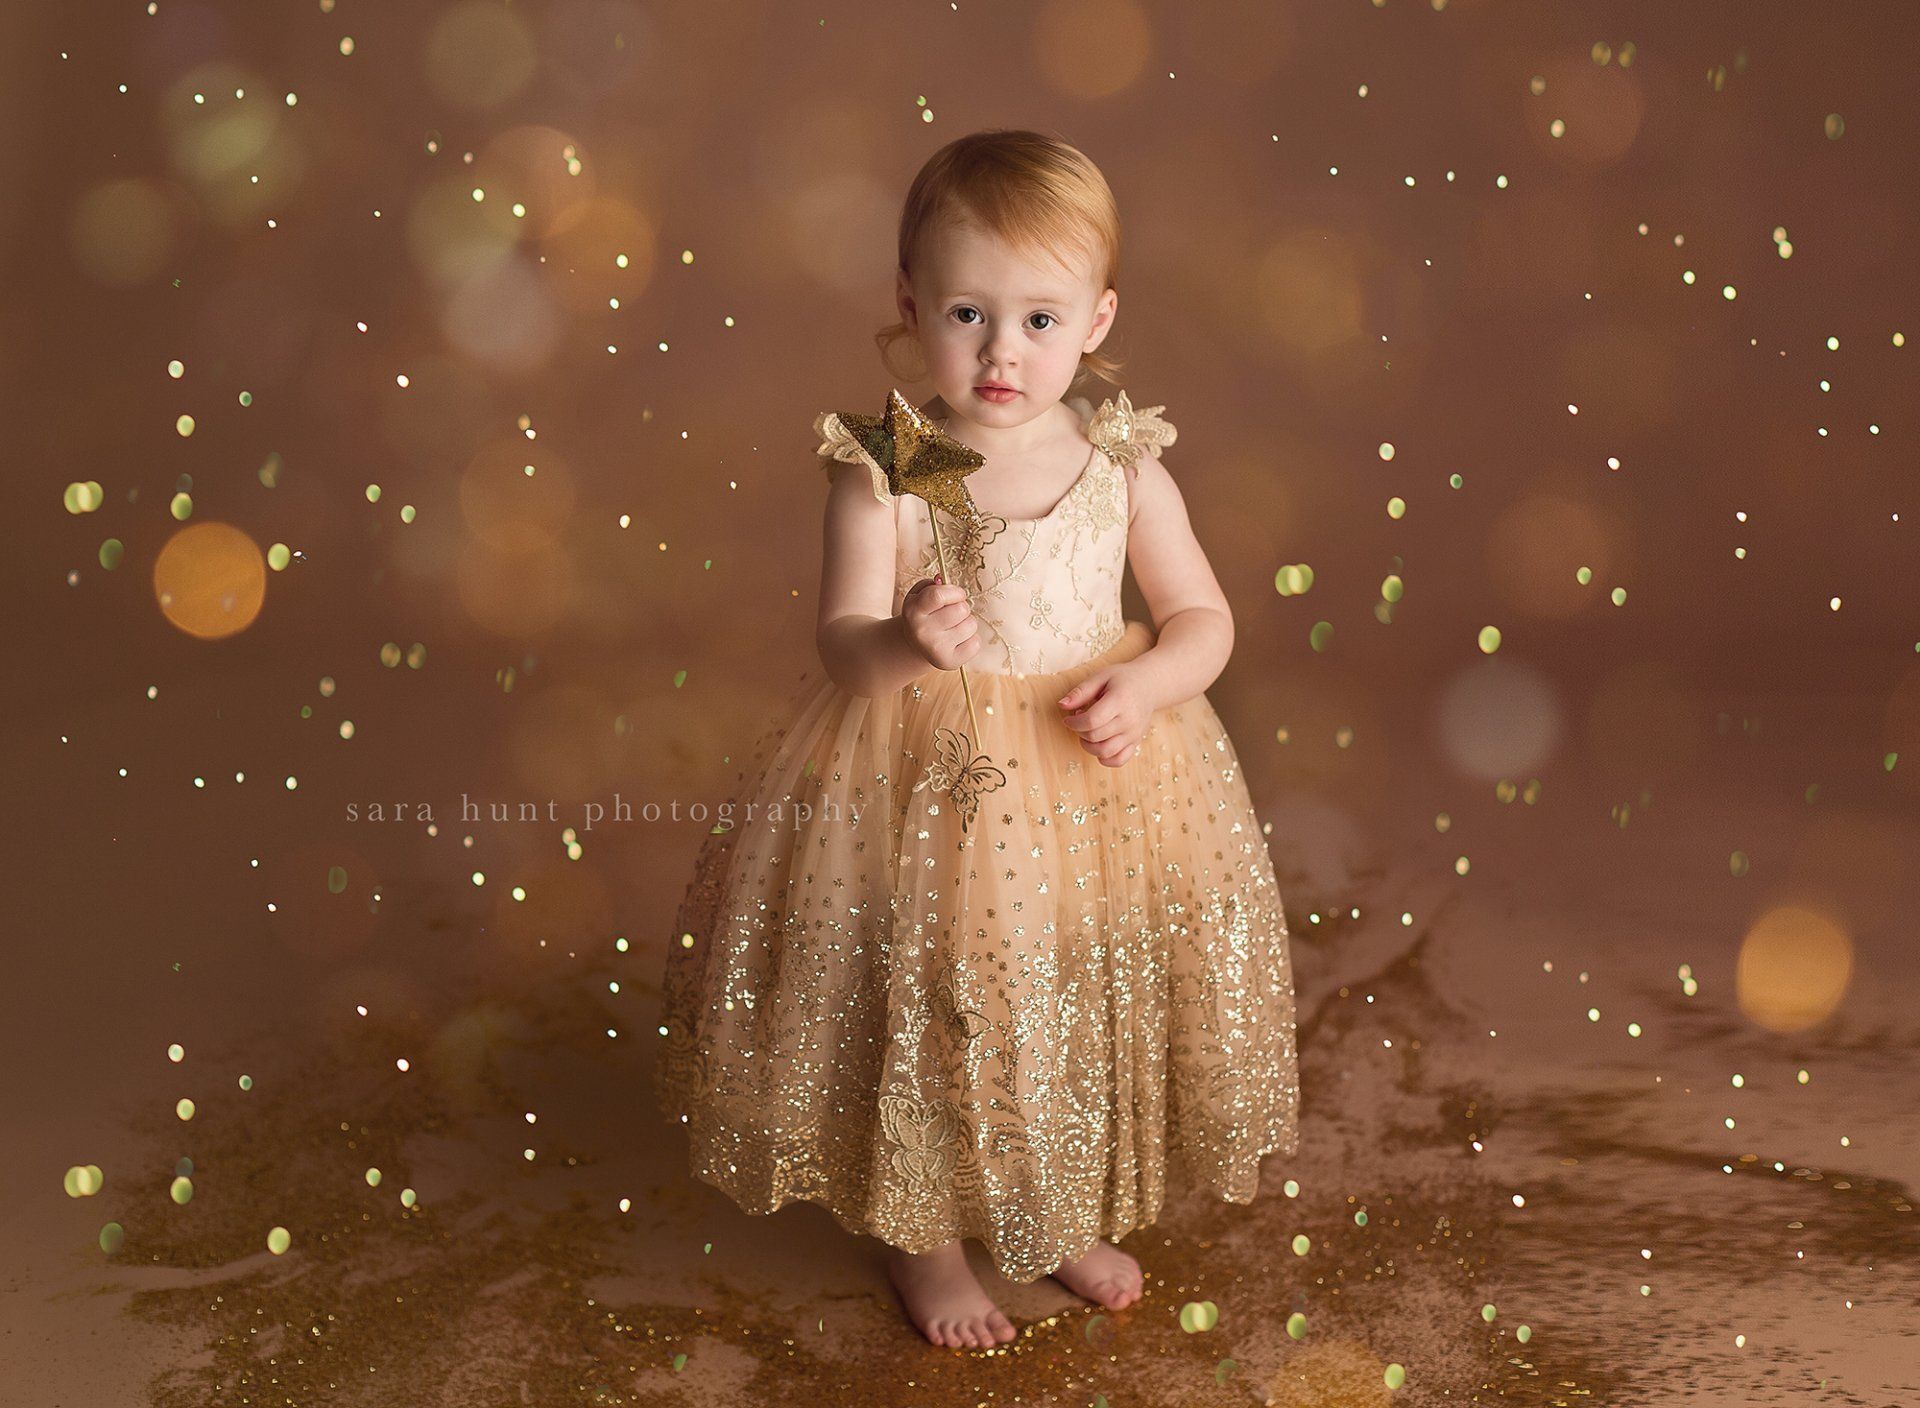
pixel 1005 1036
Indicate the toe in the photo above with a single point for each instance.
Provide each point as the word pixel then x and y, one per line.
pixel 1001 1327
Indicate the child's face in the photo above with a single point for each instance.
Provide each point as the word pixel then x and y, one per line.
pixel 985 313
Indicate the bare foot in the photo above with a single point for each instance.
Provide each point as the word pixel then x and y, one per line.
pixel 945 1300
pixel 1105 1274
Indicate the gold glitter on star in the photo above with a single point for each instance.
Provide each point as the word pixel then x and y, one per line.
pixel 906 451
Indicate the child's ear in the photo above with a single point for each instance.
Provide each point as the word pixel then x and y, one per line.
pixel 903 298
pixel 1104 309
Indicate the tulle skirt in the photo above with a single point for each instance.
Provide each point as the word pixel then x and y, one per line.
pixel 1001 1031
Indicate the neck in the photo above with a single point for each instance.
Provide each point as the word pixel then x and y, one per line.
pixel 1013 441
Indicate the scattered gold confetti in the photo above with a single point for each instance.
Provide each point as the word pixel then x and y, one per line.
pixel 1197 1316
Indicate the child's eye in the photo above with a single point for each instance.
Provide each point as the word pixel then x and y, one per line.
pixel 969 308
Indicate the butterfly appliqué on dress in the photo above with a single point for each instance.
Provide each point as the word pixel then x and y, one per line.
pixel 962 1022
pixel 929 1138
pixel 966 547
pixel 961 773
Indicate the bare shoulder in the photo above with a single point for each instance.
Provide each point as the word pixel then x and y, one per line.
pixel 1152 493
pixel 841 473
pixel 850 485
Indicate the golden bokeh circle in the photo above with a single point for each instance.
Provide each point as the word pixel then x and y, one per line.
pixel 1794 967
pixel 1309 293
pixel 510 510
pixel 587 237
pixel 515 594
pixel 210 580
pixel 1601 112
pixel 1529 545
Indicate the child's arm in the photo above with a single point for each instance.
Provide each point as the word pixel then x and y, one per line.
pixel 866 649
pixel 1190 613
pixel 1110 709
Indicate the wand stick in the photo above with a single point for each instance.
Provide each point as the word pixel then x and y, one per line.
pixel 965 688
pixel 907 454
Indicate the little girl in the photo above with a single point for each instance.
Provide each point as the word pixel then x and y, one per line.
pixel 987 990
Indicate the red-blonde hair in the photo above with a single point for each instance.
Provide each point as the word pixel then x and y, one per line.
pixel 1034 192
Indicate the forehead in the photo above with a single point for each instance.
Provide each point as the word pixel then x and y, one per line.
pixel 963 257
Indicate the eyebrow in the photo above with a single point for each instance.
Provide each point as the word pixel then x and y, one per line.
pixel 1054 297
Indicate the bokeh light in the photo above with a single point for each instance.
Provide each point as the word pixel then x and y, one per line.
pixel 1531 548
pixel 210 580
pixel 1794 967
pixel 1499 717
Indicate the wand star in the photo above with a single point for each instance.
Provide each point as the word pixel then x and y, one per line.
pixel 916 455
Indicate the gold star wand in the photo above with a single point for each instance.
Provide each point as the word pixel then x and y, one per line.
pixel 915 457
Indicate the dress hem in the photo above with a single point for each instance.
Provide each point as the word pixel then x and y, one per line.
pixel 1287 1144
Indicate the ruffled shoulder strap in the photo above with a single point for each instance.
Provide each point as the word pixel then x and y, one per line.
pixel 838 443
pixel 1124 431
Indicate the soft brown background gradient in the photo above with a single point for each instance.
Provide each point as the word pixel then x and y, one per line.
pixel 1291 321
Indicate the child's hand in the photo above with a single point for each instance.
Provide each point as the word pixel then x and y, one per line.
pixel 1110 711
pixel 939 620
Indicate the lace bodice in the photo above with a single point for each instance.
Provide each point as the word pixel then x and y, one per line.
pixel 1045 591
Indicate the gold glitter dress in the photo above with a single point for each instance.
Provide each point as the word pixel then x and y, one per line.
pixel 1004 1032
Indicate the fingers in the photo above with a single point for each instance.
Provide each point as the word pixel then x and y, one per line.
pixel 955 646
pixel 1113 753
pixel 930 595
pixel 950 615
pixel 1085 692
pixel 936 605
pixel 939 618
pixel 1097 718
